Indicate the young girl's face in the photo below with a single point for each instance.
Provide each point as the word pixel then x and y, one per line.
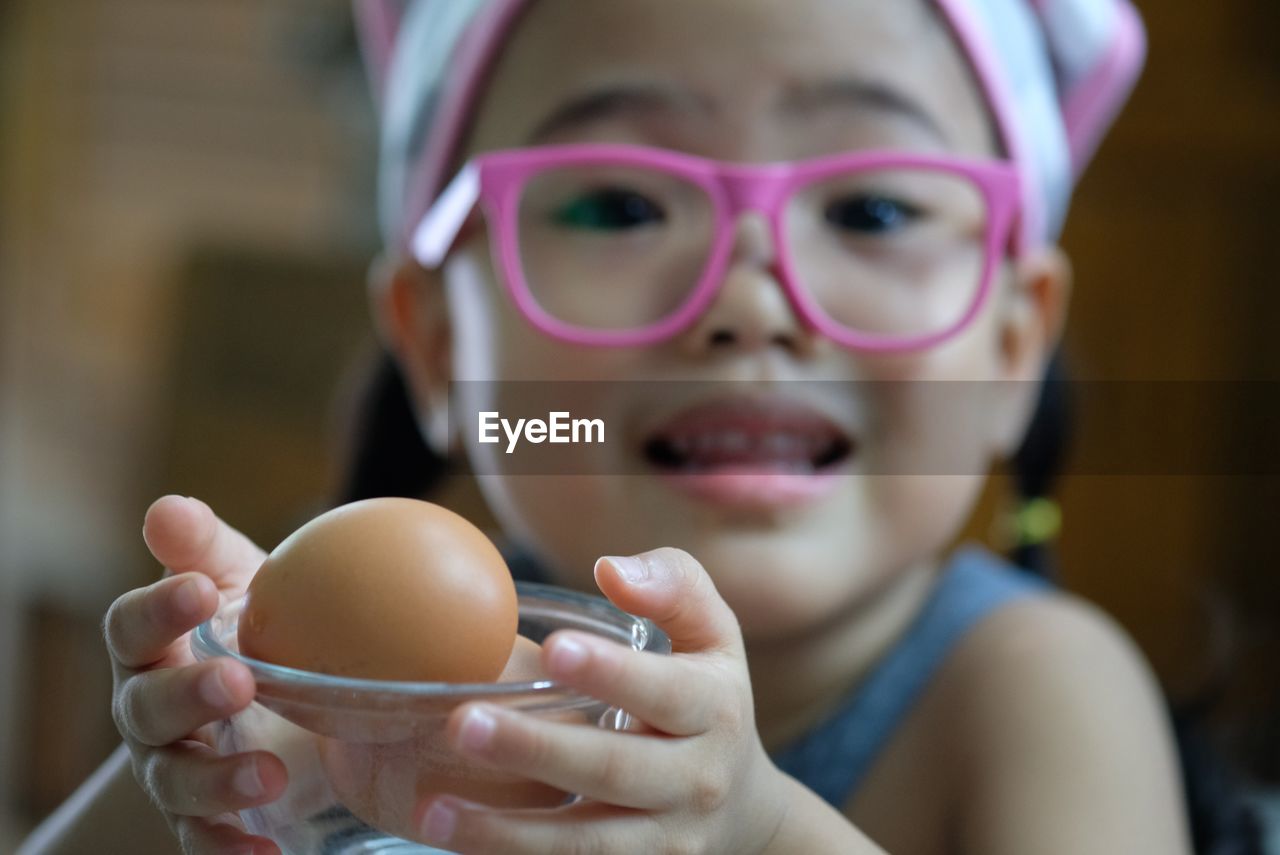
pixel 747 81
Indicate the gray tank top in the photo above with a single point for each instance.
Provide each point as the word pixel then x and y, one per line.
pixel 833 758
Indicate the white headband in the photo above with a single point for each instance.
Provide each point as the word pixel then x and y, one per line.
pixel 1054 72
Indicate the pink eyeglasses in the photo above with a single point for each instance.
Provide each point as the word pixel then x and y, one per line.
pixel 619 245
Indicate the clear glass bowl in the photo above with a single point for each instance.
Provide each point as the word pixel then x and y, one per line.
pixel 362 753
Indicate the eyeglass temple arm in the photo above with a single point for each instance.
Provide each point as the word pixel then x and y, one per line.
pixel 435 235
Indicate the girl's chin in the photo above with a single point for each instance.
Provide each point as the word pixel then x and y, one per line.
pixel 786 582
pixel 771 614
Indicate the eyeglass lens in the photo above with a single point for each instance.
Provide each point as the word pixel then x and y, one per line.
pixel 883 251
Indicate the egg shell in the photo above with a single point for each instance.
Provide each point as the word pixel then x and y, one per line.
pixel 384 589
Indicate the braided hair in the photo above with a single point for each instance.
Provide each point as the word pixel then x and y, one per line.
pixel 386 455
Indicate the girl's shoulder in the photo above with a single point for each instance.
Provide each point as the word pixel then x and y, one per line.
pixel 1040 638
pixel 1046 644
pixel 1054 712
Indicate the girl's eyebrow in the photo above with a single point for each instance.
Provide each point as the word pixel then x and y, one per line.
pixel 849 94
pixel 617 99
pixel 857 95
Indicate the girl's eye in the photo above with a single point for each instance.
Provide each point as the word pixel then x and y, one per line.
pixel 609 209
pixel 871 214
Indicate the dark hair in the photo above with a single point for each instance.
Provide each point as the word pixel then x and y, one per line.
pixel 1039 460
pixel 387 455
pixel 389 458
pixel 1222 823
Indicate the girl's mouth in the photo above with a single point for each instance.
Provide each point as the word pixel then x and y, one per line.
pixel 763 452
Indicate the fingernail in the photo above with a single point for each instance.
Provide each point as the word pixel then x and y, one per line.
pixel 213 691
pixel 247 782
pixel 187 597
pixel 477 729
pixel 568 655
pixel 438 824
pixel 632 570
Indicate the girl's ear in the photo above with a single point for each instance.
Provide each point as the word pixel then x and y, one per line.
pixel 1031 324
pixel 412 320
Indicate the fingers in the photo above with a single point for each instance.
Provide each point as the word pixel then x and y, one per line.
pixel 206 837
pixel 184 534
pixel 190 779
pixel 677 696
pixel 142 625
pixel 626 770
pixel 465 827
pixel 672 589
pixel 159 707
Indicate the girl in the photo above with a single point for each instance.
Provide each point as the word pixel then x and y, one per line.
pixel 857 194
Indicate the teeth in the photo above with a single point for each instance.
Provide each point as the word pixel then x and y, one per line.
pixel 792 450
pixel 731 442
pixel 782 445
pixel 734 442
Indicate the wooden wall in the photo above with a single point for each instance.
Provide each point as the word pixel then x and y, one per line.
pixel 1174 236
pixel 184 218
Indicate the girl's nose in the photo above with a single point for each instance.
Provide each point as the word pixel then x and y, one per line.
pixel 751 311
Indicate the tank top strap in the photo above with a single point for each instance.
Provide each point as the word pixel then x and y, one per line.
pixel 833 758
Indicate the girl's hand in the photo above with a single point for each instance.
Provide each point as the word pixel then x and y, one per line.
pixel 163 701
pixel 697 780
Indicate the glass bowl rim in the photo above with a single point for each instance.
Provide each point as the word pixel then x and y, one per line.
pixel 205 645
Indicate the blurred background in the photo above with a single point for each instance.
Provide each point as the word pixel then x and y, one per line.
pixel 186 220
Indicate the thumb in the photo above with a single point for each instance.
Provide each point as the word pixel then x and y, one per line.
pixel 185 535
pixel 671 588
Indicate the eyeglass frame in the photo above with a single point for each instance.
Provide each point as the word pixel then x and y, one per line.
pixel 495 181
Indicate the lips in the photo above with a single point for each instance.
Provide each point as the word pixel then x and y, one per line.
pixel 744 435
pixel 755 455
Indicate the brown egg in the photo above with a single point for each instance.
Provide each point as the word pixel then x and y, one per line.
pixel 384 589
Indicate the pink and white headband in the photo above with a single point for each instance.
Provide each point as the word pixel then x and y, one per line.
pixel 1055 74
